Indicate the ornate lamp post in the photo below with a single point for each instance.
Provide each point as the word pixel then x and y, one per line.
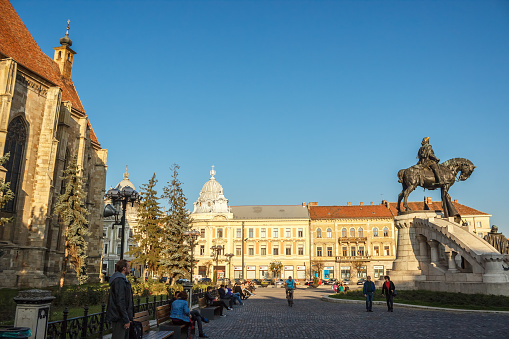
pixel 192 238
pixel 126 195
pixel 216 249
pixel 229 256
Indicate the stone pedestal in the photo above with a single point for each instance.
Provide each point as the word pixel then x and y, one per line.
pixel 32 311
pixel 494 272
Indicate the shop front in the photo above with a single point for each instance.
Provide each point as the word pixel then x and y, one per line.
pixel 288 272
pixel 301 273
pixel 328 272
pixel 250 272
pixel 264 272
pixel 237 272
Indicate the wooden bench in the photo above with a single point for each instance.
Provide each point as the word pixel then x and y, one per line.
pixel 142 317
pixel 209 312
pixel 164 322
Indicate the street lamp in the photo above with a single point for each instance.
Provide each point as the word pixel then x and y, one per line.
pixel 229 256
pixel 124 196
pixel 216 249
pixel 192 235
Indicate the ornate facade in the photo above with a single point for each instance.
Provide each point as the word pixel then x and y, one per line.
pixel 42 125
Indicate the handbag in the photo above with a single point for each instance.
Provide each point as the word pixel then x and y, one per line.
pixel 135 330
pixel 394 293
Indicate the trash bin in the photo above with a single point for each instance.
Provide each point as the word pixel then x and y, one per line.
pixel 15 332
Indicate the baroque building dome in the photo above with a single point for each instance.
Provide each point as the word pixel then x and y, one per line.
pixel 212 199
pixel 125 182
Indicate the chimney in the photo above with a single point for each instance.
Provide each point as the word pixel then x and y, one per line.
pixel 361 203
pixel 372 203
pixel 428 200
pixel 313 204
pixel 456 200
pixel 303 204
pixel 349 203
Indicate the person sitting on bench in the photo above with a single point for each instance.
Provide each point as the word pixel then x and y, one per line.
pixel 237 290
pixel 180 315
pixel 211 301
pixel 235 296
pixel 223 296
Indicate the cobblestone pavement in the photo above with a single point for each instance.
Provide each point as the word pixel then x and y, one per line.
pixel 267 315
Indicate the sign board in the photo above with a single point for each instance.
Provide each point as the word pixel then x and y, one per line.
pixel 288 268
pixel 250 268
pixel 331 268
pixel 264 268
pixel 237 268
pixel 301 268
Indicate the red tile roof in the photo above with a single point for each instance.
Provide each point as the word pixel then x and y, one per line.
pixel 16 42
pixel 436 206
pixel 337 212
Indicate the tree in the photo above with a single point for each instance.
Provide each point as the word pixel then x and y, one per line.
pixel 360 266
pixel 6 194
pixel 319 267
pixel 275 267
pixel 148 233
pixel 208 264
pixel 72 212
pixel 175 259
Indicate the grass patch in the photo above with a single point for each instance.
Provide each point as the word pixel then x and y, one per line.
pixel 438 299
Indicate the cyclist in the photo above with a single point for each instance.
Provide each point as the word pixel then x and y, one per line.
pixel 289 287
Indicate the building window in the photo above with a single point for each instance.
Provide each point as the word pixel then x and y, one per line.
pixel 345 251
pixel 219 232
pixel 288 232
pixel 352 232
pixel 361 251
pixel 329 233
pixel 238 251
pixel 119 234
pixel 376 251
pixel 251 233
pixel 361 232
pixel 318 232
pixel 239 233
pixel 263 233
pixel 288 251
pixel 300 251
pixel 479 225
pixel 275 233
pixel 329 251
pixel 386 232
pixel 375 232
pixel 386 250
pixel 202 249
pixel 275 251
pixel 300 232
pixel 105 248
pixel 378 271
pixel 250 251
pixel 343 233
pixel 263 250
pixel 14 145
pixel 318 251
pixel 202 233
pixel 352 251
pixel 119 249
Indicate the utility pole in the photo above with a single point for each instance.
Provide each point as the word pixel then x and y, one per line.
pixel 242 274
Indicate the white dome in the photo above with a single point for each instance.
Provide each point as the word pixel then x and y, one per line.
pixel 125 182
pixel 211 198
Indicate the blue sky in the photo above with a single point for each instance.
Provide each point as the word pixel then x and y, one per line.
pixel 292 101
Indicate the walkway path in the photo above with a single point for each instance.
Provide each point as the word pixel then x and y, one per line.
pixel 267 315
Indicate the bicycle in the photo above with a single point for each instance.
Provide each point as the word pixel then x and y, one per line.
pixel 289 297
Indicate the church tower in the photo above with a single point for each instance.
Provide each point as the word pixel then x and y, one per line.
pixel 212 201
pixel 64 55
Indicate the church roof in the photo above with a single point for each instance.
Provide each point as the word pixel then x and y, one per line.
pixel 270 212
pixel 16 42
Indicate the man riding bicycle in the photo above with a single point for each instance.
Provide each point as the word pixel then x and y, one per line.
pixel 289 287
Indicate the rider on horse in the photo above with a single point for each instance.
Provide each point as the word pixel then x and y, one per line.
pixel 428 159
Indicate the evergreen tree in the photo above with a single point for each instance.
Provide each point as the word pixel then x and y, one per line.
pixel 72 212
pixel 148 233
pixel 6 194
pixel 175 259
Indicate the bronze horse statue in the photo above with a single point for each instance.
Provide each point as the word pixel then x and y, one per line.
pixel 419 175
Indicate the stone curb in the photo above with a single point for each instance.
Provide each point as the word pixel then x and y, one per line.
pixel 348 301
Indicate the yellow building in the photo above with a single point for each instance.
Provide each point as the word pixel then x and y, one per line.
pixel 255 235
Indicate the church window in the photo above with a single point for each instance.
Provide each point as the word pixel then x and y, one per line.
pixel 318 232
pixel 219 232
pixel 343 233
pixel 60 54
pixel 361 232
pixel 318 251
pixel 329 233
pixel 375 232
pixel 386 232
pixel 239 233
pixel 352 232
pixel 105 248
pixel 14 145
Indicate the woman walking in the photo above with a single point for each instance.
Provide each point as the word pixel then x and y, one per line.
pixel 388 290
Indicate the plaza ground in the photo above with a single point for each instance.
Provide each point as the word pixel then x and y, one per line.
pixel 267 315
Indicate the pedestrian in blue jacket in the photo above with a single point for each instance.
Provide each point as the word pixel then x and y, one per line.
pixel 368 290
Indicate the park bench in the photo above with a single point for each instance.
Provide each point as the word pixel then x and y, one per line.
pixel 164 322
pixel 142 317
pixel 209 312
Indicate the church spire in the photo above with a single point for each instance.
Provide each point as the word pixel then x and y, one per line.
pixel 64 55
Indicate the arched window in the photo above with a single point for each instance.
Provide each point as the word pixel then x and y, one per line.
pixel 386 232
pixel 352 232
pixel 361 232
pixel 318 232
pixel 375 232
pixel 15 146
pixel 343 233
pixel 329 233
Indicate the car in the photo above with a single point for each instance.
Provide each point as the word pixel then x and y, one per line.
pixel 255 281
pixel 279 282
pixel 182 281
pixel 361 281
pixel 205 281
pixel 332 281
pixel 346 281
pixel 309 282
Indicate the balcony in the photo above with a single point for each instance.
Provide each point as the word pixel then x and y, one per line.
pixel 352 239
pixel 365 257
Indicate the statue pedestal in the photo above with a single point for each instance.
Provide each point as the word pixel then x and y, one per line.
pixel 32 311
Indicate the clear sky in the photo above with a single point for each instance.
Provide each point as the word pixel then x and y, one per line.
pixel 292 101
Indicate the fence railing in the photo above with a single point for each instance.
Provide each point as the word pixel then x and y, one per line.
pixel 96 325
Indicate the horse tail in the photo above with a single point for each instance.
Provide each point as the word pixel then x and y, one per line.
pixel 400 175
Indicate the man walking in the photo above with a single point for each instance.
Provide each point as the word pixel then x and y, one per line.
pixel 368 290
pixel 120 311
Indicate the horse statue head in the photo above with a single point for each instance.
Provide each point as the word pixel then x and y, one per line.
pixel 460 165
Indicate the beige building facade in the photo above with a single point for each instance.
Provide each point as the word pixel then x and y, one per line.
pixel 42 125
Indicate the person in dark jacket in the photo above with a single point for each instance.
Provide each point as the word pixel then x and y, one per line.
pixel 120 311
pixel 368 290
pixel 388 289
pixel 222 295
pixel 211 301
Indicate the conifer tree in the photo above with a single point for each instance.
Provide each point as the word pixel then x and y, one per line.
pixel 148 233
pixel 6 194
pixel 72 212
pixel 175 259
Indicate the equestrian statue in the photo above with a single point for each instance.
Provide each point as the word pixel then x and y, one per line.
pixel 430 174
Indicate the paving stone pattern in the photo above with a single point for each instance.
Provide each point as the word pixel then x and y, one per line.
pixel 267 315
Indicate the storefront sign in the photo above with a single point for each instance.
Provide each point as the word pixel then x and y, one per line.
pixel 301 268
pixel 251 268
pixel 288 268
pixel 237 268
pixel 264 268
